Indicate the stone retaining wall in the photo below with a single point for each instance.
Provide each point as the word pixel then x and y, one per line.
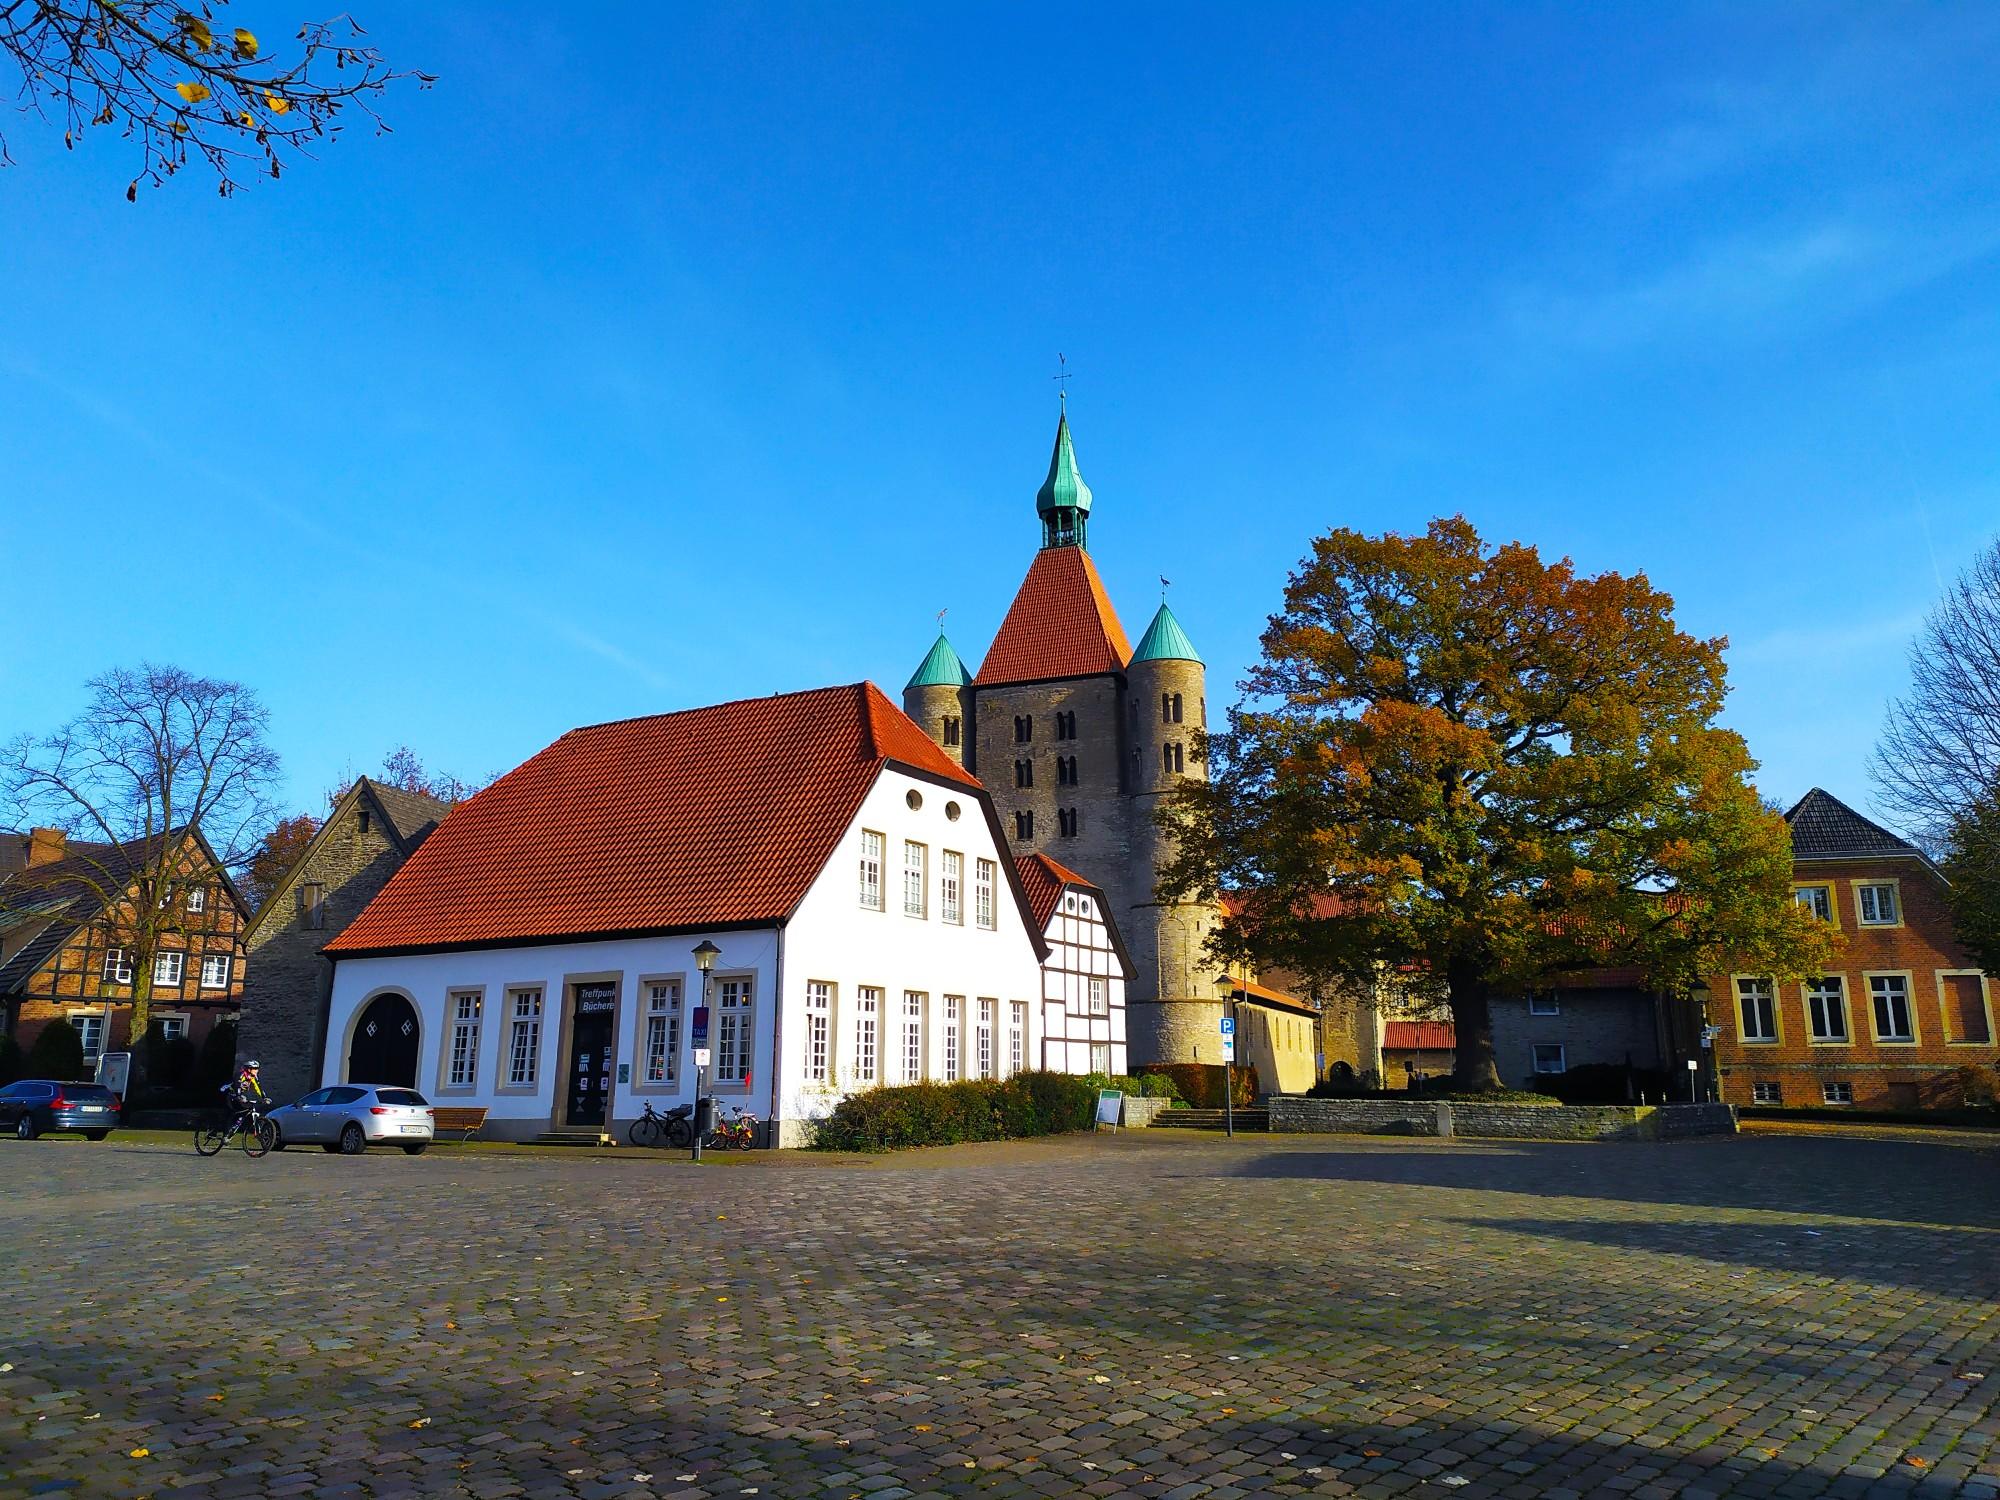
pixel 1140 1112
pixel 1521 1122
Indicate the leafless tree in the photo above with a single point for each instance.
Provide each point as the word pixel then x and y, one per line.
pixel 156 755
pixel 1939 755
pixel 187 88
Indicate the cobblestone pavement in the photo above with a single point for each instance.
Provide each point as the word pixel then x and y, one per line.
pixel 1148 1314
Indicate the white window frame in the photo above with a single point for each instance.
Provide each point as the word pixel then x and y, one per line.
pixel 1098 990
pixel 1766 1091
pixel 197 899
pixel 173 1024
pixel 466 1009
pixel 735 1032
pixel 1017 1037
pixel 170 966
pixel 985 875
pixel 521 1064
pixel 663 1004
pixel 954 1038
pixel 819 1063
pixel 227 964
pixel 1818 994
pixel 1828 1088
pixel 1561 1059
pixel 87 1023
pixel 1816 897
pixel 916 879
pixel 951 887
pixel 915 1057
pixel 1746 988
pixel 1867 893
pixel 983 1053
pixel 867 1033
pixel 1879 990
pixel 118 965
pixel 1544 1005
pixel 874 849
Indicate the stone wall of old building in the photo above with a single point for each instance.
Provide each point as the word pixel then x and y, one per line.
pixel 1615 1026
pixel 288 983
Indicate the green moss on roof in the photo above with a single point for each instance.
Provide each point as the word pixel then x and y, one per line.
pixel 1164 640
pixel 941 668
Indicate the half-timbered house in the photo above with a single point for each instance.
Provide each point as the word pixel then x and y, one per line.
pixel 1085 973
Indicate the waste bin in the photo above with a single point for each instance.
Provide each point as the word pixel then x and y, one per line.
pixel 704 1116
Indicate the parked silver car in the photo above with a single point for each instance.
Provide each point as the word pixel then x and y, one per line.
pixel 351 1117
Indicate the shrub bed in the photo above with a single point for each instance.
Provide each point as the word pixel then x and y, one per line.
pixel 944 1114
pixel 1201 1083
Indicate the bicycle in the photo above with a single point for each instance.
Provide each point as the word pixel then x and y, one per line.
pixel 656 1129
pixel 738 1132
pixel 249 1122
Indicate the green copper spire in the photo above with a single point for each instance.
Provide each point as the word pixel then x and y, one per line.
pixel 1164 640
pixel 941 668
pixel 1064 499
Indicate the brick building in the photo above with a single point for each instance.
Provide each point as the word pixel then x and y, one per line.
pixel 1079 735
pixel 66 953
pixel 365 839
pixel 1905 1022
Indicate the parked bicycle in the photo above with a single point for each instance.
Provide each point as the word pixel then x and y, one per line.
pixel 248 1124
pixel 670 1129
pixel 738 1132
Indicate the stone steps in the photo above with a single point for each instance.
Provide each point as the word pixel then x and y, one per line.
pixel 1253 1120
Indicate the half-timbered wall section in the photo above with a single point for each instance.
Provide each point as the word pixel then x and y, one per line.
pixel 1083 988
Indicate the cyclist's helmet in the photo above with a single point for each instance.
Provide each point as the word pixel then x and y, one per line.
pixel 252 1065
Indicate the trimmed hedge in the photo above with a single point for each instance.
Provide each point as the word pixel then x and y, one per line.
pixel 1201 1083
pixel 944 1114
pixel 57 1052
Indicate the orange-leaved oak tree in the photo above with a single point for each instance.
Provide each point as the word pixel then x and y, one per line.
pixel 1500 771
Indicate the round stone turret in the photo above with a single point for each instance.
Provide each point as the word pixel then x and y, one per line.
pixel 939 697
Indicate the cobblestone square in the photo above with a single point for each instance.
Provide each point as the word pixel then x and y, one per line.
pixel 1148 1314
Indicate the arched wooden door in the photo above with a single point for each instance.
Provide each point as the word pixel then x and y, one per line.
pixel 385 1043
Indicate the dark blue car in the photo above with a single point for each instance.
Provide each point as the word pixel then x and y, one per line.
pixel 37 1105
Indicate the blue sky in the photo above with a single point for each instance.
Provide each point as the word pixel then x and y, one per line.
pixel 671 354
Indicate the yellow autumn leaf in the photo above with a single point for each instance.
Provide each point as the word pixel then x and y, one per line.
pixel 194 93
pixel 198 32
pixel 246 44
pixel 246 117
pixel 279 104
pixel 141 1453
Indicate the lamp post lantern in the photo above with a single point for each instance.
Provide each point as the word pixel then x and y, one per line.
pixel 705 956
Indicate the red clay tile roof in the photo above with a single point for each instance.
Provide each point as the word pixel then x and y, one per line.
pixel 1043 880
pixel 1061 624
pixel 703 818
pixel 1419 1036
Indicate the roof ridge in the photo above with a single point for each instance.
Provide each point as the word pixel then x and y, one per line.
pixel 703 708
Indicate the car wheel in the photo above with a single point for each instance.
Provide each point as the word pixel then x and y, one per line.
pixel 418 1149
pixel 95 1135
pixel 352 1141
pixel 278 1142
pixel 26 1129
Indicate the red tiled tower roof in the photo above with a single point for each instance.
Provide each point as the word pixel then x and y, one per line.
pixel 1042 880
pixel 705 818
pixel 1061 624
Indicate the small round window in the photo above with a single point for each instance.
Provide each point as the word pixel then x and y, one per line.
pixel 914 798
pixel 951 810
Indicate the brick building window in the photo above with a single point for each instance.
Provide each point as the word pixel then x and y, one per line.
pixel 984 874
pixel 1877 904
pixel 118 966
pixel 91 1029
pixel 197 899
pixel 1826 1008
pixel 1837 1093
pixel 1024 826
pixel 1757 1010
pixel 951 729
pixel 1766 1093
pixel 1817 899
pixel 1024 728
pixel 169 966
pixel 1965 1017
pixel 1024 773
pixel 1889 996
pixel 215 971
pixel 1066 822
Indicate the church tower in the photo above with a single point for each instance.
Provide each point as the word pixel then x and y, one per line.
pixel 1080 738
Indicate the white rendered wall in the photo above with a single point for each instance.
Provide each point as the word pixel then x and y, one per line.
pixel 834 939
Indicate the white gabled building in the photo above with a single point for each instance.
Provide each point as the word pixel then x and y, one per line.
pixel 535 955
pixel 1084 974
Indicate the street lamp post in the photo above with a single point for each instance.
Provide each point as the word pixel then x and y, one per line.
pixel 704 960
pixel 1229 1057
pixel 1705 1040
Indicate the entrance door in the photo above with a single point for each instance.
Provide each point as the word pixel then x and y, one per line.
pixel 589 1095
pixel 385 1043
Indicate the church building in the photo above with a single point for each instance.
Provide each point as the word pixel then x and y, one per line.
pixel 1079 736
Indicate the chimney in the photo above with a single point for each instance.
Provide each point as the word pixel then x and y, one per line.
pixel 46 846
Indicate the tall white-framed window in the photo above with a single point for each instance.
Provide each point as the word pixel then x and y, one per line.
pixel 1889 997
pixel 819 1031
pixel 913 1036
pixel 118 966
pixel 871 870
pixel 168 966
pixel 524 1037
pixel 463 1070
pixel 1826 1008
pixel 1877 904
pixel 1100 1057
pixel 215 971
pixel 867 1033
pixel 197 899
pixel 951 880
pixel 1757 1009
pixel 91 1029
pixel 1817 899
pixel 984 872
pixel 982 1037
pixel 1100 995
pixel 954 1038
pixel 1017 1037
pixel 662 1062
pixel 916 876
pixel 735 1029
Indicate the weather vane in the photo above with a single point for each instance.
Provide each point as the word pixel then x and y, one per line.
pixel 1061 378
pixel 941 614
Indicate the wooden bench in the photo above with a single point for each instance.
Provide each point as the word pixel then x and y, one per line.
pixel 462 1118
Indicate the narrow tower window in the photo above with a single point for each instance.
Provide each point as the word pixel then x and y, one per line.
pixel 951 729
pixel 1024 728
pixel 1065 770
pixel 1170 757
pixel 1024 773
pixel 1066 822
pixel 1024 826
pixel 1170 708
